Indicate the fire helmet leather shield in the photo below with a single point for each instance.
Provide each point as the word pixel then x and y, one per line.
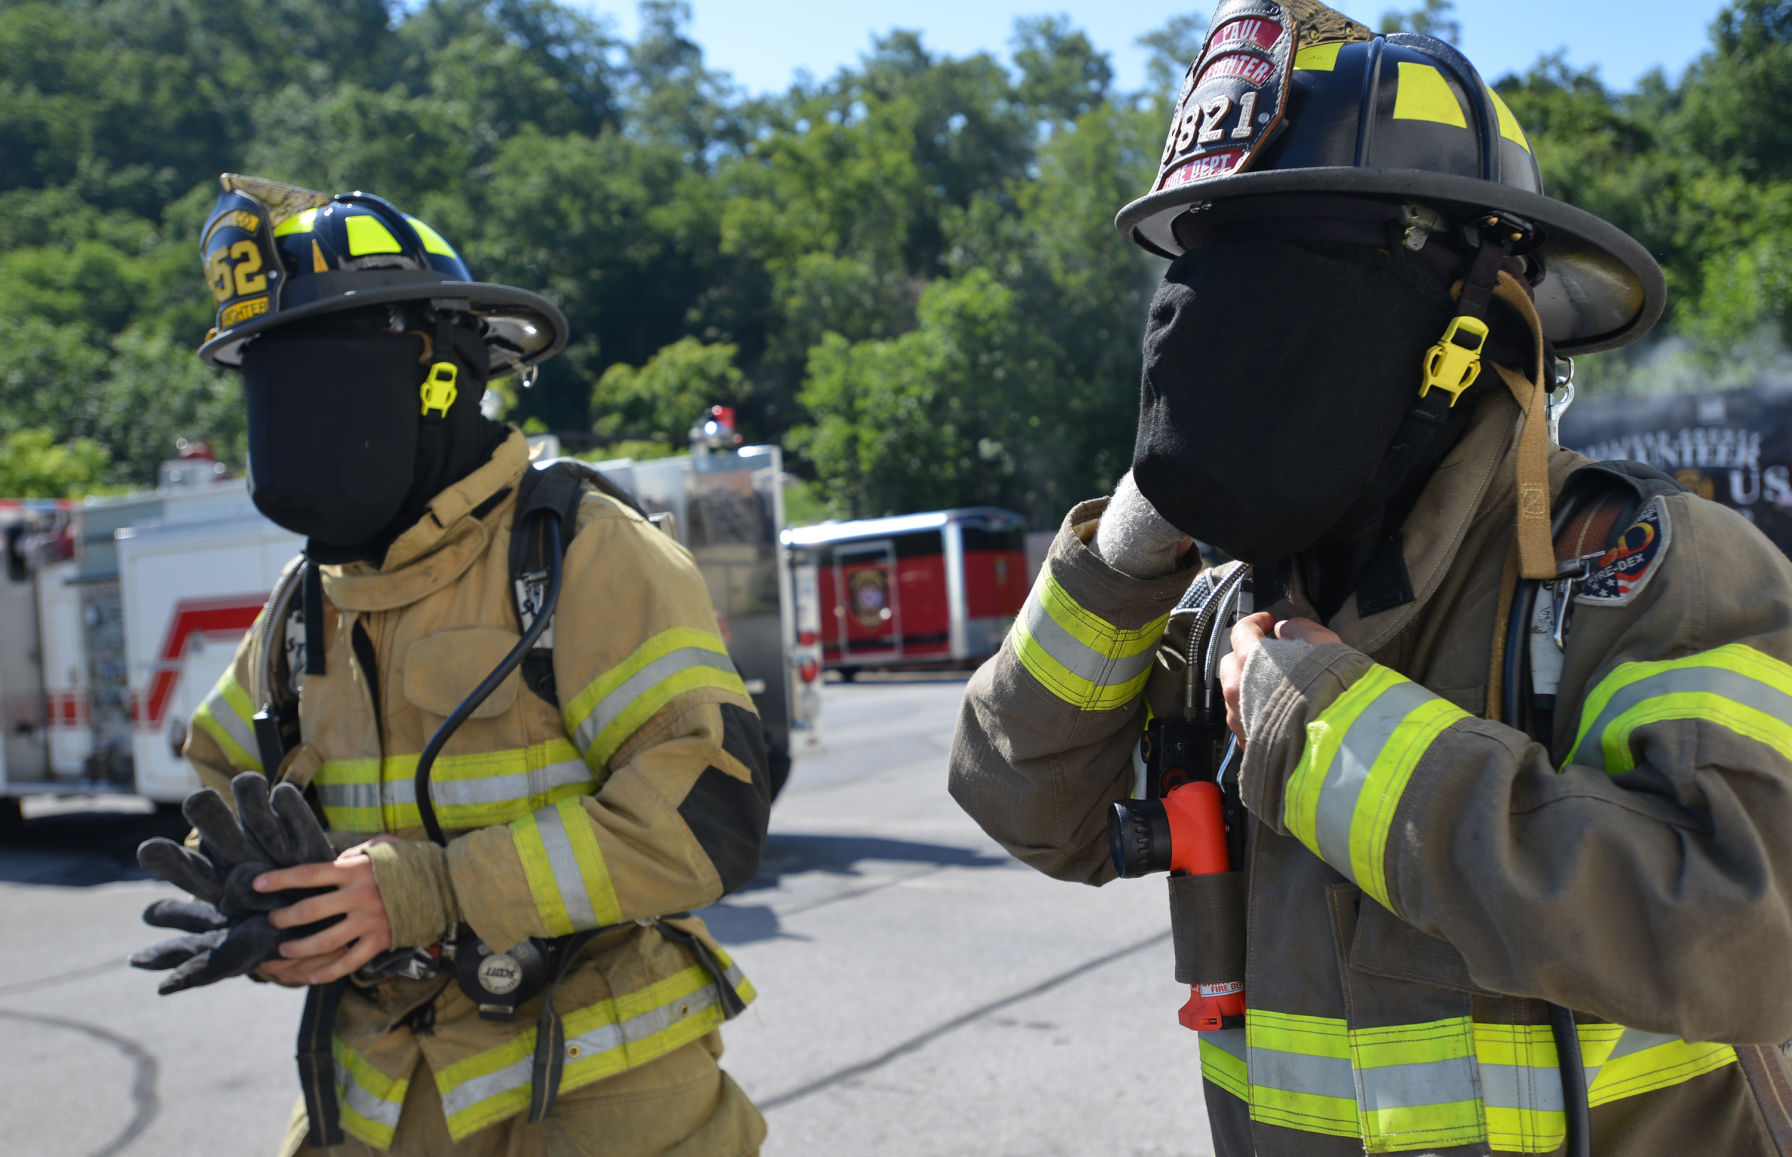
pixel 277 254
pixel 1402 118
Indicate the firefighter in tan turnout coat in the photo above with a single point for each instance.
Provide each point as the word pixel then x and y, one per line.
pixel 1437 890
pixel 585 809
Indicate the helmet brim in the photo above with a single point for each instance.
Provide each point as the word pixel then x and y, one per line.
pixel 522 328
pixel 1601 290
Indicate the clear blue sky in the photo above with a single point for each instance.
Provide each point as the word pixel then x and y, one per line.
pixel 764 42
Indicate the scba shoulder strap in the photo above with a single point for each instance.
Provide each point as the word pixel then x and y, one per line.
pixel 551 490
pixel 1599 508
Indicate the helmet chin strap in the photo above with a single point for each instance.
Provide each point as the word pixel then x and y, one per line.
pixel 1454 364
pixel 1536 550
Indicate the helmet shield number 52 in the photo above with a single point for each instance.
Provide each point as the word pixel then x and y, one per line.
pixel 1233 95
pixel 241 266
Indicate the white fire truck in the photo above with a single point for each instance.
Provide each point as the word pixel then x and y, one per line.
pixel 118 614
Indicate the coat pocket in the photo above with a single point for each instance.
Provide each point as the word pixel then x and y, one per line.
pixel 1385 945
pixel 442 669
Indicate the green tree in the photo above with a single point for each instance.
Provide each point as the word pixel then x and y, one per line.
pixel 1062 75
pixel 34 465
pixel 673 98
pixel 1736 95
pixel 1171 50
pixel 1432 18
pixel 663 399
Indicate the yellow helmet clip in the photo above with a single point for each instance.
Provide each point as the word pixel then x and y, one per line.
pixel 1454 362
pixel 438 389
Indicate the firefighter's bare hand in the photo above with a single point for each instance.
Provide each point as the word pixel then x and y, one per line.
pixel 361 934
pixel 1246 634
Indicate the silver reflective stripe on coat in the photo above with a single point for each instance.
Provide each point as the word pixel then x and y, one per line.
pixel 595 1042
pixel 1712 680
pixel 1297 1073
pixel 612 705
pixel 1078 657
pixel 1364 743
pixel 568 878
pixel 504 787
pixel 364 1103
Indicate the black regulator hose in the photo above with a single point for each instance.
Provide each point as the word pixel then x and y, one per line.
pixel 543 615
pixel 1515 677
pixel 1574 1082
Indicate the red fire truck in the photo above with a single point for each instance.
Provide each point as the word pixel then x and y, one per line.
pixel 934 589
pixel 118 614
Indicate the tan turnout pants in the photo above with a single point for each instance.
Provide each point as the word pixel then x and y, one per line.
pixel 682 1105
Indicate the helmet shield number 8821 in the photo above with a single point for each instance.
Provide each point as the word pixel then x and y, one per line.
pixel 240 263
pixel 1233 96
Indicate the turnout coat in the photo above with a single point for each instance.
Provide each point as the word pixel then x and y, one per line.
pixel 641 793
pixel 1421 879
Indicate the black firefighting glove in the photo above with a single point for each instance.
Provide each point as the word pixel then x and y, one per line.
pixel 216 947
pixel 229 933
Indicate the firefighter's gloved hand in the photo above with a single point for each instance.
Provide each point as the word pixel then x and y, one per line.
pixel 268 830
pixel 275 827
pixel 1134 538
pixel 280 822
pixel 231 891
pixel 215 947
pixel 229 933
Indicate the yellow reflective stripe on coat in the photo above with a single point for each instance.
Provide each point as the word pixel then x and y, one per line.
pixel 1299 1072
pixel 1447 1082
pixel 469 791
pixel 227 716
pixel 1359 755
pixel 602 1040
pixel 1734 686
pixel 565 869
pixel 1642 1062
pixel 1077 655
pixel 672 663
pixel 368 1099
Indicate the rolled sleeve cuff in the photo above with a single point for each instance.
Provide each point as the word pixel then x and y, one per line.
pixel 414 887
pixel 1088 631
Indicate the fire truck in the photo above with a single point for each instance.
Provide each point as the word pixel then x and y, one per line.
pixel 938 589
pixel 117 615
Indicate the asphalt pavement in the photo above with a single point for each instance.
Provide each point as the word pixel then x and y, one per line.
pixel 921 994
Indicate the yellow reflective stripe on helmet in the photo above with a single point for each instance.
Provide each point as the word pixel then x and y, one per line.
pixel 565 869
pixel 1077 655
pixel 1509 126
pixel 1318 58
pixel 227 717
pixel 369 1100
pixel 476 790
pixel 432 241
pixel 601 1040
pixel 1422 94
pixel 672 663
pixel 1359 755
pixel 368 235
pixel 298 223
pixel 1734 686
